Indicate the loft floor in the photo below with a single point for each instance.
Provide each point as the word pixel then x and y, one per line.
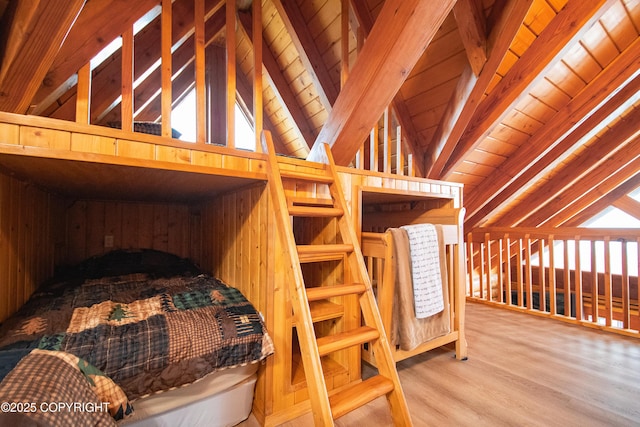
pixel 522 370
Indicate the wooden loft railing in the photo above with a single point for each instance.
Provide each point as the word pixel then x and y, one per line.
pixel 180 66
pixel 587 276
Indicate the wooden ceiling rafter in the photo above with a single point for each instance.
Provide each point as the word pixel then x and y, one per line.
pixel 308 51
pixel 503 24
pixel 36 31
pixel 400 35
pixel 613 151
pixel 553 43
pixel 100 22
pixel 412 138
pixel 473 32
pixel 614 87
pixel 280 86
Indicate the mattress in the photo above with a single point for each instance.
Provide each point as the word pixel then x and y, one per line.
pixel 223 398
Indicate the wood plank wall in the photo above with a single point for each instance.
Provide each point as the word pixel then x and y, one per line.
pixel 28 223
pixel 169 227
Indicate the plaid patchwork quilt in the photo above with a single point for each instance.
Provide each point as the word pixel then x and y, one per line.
pixel 147 334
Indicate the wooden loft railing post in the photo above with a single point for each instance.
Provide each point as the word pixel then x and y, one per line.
pixel 507 267
pixel 257 69
pixel 608 294
pixel 567 280
pixel 126 106
pixel 166 42
pixel 578 280
pixel 542 304
pixel 201 121
pixel 552 276
pixel 231 71
pixel 499 263
pixel 399 152
pixel 83 95
pixel 487 264
pixel 528 280
pixel 626 315
pixel 470 262
pixel 344 42
pixel 594 284
pixel 386 141
pixel 373 149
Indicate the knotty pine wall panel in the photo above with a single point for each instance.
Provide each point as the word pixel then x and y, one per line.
pixel 28 226
pixel 169 227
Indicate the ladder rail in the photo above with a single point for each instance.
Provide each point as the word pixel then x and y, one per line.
pixel 304 323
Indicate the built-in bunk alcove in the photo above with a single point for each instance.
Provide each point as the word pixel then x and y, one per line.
pixel 57 211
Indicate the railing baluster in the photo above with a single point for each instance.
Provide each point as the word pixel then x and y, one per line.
pixel 552 276
pixel 499 271
pixel 607 281
pixel 567 280
pixel 470 263
pixel 507 268
pixel 527 272
pixel 487 248
pixel 482 269
pixel 594 284
pixel 519 281
pixel 542 304
pixel 578 281
pixel 83 94
pixel 126 105
pixel 626 318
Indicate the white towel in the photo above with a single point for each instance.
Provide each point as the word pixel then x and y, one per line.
pixel 425 269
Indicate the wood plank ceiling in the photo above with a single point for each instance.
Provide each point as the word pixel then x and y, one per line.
pixel 532 104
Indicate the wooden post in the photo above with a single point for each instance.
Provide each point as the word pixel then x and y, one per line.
pixel 231 72
pixel 608 306
pixel 126 113
pixel 399 152
pixel 542 306
pixel 487 249
pixel 201 104
pixel 373 149
pixel 344 42
pixel 470 262
pixel 626 314
pixel 527 271
pixel 552 277
pixel 594 284
pixel 386 141
pixel 83 97
pixel 567 280
pixel 257 73
pixel 519 281
pixel 507 268
pixel 578 281
pixel 167 69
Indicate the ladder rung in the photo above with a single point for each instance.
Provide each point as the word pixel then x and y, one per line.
pixel 335 342
pixel 311 201
pixel 314 211
pixel 320 253
pixel 323 179
pixel 324 292
pixel 359 395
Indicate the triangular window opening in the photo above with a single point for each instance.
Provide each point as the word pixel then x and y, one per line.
pixel 183 119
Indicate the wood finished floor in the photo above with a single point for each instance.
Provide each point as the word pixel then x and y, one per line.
pixel 522 370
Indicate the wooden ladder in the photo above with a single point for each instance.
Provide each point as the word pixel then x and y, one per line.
pixel 327 407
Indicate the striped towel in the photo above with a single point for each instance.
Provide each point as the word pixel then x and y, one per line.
pixel 425 269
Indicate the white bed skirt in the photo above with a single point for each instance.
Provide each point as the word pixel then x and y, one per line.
pixel 221 399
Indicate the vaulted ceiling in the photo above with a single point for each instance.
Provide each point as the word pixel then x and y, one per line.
pixel 533 104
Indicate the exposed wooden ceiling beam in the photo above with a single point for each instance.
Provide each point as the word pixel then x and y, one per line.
pixel 553 43
pixel 279 84
pixel 35 30
pixel 398 38
pixel 412 138
pixel 613 151
pixel 629 206
pixel 308 51
pixel 504 22
pixel 100 22
pixel 472 28
pixel 617 85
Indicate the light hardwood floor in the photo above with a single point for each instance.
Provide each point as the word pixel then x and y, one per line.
pixel 522 370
